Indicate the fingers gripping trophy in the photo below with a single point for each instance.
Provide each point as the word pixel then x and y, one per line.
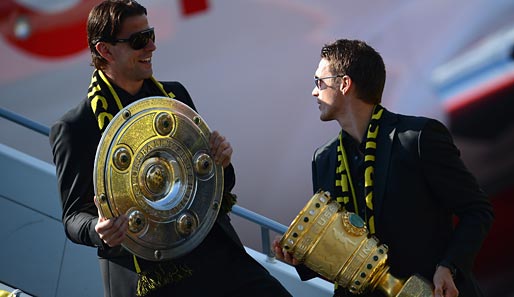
pixel 336 244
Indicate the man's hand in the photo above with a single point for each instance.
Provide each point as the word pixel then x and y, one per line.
pixel 282 254
pixel 111 231
pixel 444 286
pixel 220 149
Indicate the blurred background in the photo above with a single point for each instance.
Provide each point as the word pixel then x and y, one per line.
pixel 249 66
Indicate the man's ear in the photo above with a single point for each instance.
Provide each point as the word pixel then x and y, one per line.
pixel 104 50
pixel 346 83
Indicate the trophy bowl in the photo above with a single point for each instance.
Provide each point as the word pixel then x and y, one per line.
pixel 336 244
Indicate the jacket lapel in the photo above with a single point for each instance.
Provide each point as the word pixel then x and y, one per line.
pixel 326 162
pixel 386 133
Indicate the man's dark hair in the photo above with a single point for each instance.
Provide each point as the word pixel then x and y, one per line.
pixel 104 23
pixel 360 62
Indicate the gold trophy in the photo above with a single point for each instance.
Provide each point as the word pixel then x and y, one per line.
pixel 153 164
pixel 335 244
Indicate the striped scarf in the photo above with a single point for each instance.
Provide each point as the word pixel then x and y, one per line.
pixel 104 100
pixel 344 186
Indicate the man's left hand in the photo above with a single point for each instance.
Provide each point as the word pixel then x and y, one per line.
pixel 220 149
pixel 444 286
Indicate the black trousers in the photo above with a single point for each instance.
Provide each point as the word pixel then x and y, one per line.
pixel 220 268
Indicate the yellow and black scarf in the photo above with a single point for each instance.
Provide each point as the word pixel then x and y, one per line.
pixel 344 185
pixel 104 100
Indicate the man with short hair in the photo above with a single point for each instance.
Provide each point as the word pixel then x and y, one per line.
pixel 402 174
pixel 122 44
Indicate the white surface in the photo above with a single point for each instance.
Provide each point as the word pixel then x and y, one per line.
pixel 287 275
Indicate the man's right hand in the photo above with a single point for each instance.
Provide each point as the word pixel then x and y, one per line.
pixel 112 231
pixel 282 254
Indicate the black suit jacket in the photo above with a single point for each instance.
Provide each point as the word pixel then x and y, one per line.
pixel 74 140
pixel 420 182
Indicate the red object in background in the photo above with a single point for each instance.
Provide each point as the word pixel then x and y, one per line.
pixel 58 34
pixel 483 112
pixel 483 115
pixel 497 247
pixel 191 7
pixel 494 265
pixel 45 34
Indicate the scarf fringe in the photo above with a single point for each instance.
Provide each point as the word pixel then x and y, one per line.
pixel 163 274
pixel 228 201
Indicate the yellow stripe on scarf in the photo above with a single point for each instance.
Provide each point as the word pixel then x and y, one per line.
pixel 111 89
pixel 343 171
pixel 100 98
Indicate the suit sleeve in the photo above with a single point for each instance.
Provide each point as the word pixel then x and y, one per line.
pixel 457 191
pixel 74 165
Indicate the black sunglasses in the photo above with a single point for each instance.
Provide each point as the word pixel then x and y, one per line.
pixel 139 39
